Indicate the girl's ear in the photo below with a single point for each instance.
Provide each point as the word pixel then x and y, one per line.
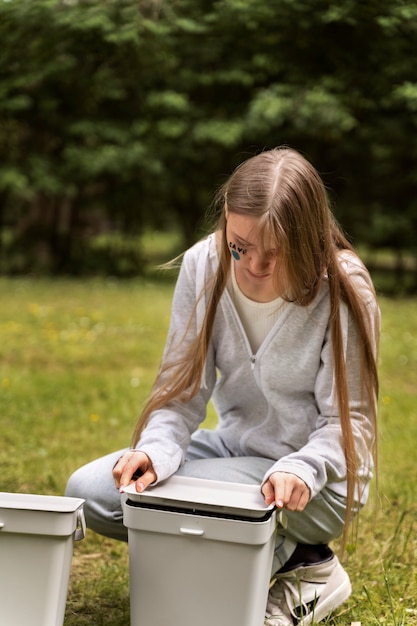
pixel 226 211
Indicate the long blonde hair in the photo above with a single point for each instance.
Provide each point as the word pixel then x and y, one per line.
pixel 286 193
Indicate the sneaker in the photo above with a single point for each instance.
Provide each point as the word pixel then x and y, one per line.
pixel 307 594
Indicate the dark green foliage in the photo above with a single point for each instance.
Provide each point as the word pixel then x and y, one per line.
pixel 115 116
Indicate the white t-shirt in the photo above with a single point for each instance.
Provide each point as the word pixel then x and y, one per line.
pixel 257 317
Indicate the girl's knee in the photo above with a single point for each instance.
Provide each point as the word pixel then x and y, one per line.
pixel 77 485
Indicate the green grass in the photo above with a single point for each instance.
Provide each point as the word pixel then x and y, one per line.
pixel 77 360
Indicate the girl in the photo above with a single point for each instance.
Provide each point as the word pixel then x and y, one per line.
pixel 274 318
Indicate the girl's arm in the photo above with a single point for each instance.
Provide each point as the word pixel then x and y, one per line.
pixel 169 429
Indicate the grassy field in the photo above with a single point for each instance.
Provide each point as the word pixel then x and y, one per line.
pixel 77 359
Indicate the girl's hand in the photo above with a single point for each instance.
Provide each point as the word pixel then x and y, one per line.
pixel 134 462
pixel 287 491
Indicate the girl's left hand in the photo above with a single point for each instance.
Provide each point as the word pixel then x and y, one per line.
pixel 287 490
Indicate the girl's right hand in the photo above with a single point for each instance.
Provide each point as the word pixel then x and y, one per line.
pixel 134 462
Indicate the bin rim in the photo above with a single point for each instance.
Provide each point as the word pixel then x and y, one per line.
pixel 39 502
pixel 193 492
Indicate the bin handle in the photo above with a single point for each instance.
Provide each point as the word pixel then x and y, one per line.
pixel 81 527
pixel 195 532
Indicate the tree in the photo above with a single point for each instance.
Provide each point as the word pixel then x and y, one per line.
pixel 70 95
pixel 121 114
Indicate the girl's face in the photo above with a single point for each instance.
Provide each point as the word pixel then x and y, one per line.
pixel 253 265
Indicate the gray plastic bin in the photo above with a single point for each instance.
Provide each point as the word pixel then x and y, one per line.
pixel 36 545
pixel 200 553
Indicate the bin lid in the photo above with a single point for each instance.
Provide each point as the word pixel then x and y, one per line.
pixel 34 502
pixel 204 494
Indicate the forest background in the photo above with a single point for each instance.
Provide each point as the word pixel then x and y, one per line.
pixel 120 117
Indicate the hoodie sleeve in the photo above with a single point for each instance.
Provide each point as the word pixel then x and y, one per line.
pixel 321 462
pixel 168 432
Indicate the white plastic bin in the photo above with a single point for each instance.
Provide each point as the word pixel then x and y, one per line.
pixel 36 544
pixel 200 553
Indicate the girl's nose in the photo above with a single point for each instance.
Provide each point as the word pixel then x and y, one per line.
pixel 259 261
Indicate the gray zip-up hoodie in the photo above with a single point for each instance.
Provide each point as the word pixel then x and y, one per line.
pixel 278 403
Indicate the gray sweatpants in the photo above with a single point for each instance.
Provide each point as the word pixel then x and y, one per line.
pixel 320 522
